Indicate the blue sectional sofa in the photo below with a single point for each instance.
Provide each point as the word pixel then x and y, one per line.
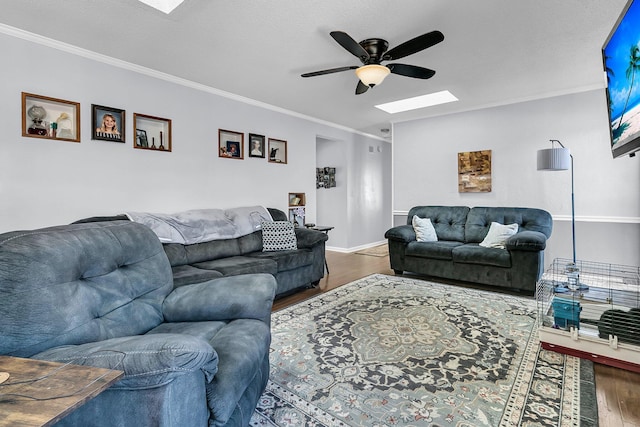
pixel 293 269
pixel 102 294
pixel 457 254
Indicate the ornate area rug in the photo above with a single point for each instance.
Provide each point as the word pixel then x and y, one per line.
pixel 393 351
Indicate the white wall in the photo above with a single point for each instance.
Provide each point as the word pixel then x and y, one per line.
pixel 369 191
pixel 359 206
pixel 332 202
pixel 46 182
pixel 607 190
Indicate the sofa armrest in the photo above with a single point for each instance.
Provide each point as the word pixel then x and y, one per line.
pixel 247 296
pixel 147 360
pixel 532 241
pixel 307 238
pixel 401 233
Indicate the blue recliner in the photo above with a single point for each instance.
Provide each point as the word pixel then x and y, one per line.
pixel 101 294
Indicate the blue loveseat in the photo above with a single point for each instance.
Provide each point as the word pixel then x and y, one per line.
pixel 102 294
pixel 457 253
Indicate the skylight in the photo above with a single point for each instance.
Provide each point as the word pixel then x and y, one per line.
pixel 165 6
pixel 416 102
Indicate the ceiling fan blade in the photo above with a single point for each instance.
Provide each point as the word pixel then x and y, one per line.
pixel 350 44
pixel 329 71
pixel 361 88
pixel 411 71
pixel 414 45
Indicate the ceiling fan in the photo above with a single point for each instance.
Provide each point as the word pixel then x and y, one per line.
pixel 372 52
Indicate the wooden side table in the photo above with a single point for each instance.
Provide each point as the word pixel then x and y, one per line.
pixel 40 393
pixel 325 229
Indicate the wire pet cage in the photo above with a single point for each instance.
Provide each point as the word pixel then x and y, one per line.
pixel 591 310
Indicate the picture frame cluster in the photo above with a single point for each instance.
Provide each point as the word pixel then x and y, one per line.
pixel 45 117
pixel 231 146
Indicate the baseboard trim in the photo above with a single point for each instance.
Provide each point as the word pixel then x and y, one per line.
pixel 356 248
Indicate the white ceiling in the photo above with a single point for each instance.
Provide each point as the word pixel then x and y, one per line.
pixel 495 52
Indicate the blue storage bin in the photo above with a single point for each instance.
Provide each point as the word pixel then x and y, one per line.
pixel 566 312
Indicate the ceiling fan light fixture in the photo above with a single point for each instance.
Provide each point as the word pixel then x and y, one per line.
pixel 372 74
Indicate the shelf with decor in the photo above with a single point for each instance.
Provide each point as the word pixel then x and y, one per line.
pixel 151 133
pixel 297 212
pixel 50 118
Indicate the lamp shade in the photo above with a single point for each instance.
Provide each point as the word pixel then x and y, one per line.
pixel 554 159
pixel 372 75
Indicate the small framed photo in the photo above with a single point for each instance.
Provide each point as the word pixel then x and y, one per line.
pixel 141 138
pixel 277 151
pixel 50 118
pixel 152 133
pixel 256 145
pixel 108 123
pixel 230 144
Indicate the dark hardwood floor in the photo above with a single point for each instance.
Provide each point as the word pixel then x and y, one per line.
pixel 618 391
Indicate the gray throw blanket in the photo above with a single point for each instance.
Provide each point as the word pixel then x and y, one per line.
pixel 203 225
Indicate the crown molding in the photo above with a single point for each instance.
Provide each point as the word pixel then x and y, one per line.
pixel 85 53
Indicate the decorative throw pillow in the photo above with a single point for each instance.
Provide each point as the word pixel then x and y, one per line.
pixel 424 229
pixel 498 235
pixel 278 236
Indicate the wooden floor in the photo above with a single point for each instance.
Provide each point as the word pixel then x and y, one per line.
pixel 618 391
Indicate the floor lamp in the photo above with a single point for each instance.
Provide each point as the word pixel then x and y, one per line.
pixel 560 159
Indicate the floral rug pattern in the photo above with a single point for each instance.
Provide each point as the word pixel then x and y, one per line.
pixel 393 351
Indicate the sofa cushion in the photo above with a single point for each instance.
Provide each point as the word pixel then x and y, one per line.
pixel 106 279
pixel 424 229
pixel 179 254
pixel 442 249
pixel 480 218
pixel 472 253
pixel 498 235
pixel 250 243
pixel 147 360
pixel 278 236
pixel 448 221
pixel 236 265
pixel 187 274
pixel 287 260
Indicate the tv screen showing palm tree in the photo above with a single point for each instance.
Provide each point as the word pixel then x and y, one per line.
pixel 621 57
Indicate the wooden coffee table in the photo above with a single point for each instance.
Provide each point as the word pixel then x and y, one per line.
pixel 40 393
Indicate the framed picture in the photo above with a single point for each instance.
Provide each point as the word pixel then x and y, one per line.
pixel 230 144
pixel 108 123
pixel 474 172
pixel 141 138
pixel 277 151
pixel 151 133
pixel 325 177
pixel 297 216
pixel 256 145
pixel 50 118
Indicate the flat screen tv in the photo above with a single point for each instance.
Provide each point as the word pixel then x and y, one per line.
pixel 621 57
